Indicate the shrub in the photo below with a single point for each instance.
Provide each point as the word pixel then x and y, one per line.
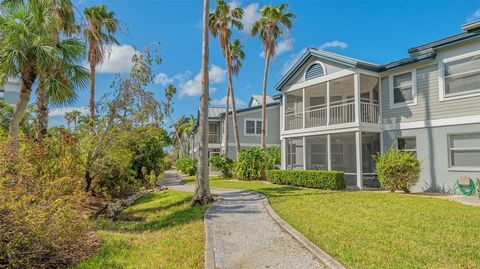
pixel 223 163
pixel 187 165
pixel 397 170
pixel 42 220
pixel 250 164
pixel 319 179
pixel 478 187
pixel 274 157
pixel 167 163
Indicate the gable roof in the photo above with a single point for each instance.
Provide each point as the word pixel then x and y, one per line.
pixel 324 55
pixel 259 98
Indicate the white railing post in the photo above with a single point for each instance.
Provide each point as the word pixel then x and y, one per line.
pixel 328 103
pixel 303 114
pixel 284 110
pixel 358 151
pixel 356 83
pixel 329 153
pixel 304 153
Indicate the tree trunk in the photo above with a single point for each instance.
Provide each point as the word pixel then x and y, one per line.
pixel 264 100
pixel 227 104
pixel 234 112
pixel 41 111
pixel 28 78
pixel 92 94
pixel 202 193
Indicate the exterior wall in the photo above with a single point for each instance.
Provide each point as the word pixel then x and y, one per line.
pixel 331 67
pixel 273 129
pixel 429 106
pixel 11 93
pixel 432 151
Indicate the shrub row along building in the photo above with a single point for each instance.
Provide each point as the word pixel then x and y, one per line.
pixel 336 113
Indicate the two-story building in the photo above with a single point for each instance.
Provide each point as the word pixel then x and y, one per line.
pixel 338 112
pixel 10 92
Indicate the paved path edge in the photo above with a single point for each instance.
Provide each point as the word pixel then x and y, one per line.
pixel 209 252
pixel 328 260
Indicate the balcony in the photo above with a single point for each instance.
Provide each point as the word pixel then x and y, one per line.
pixel 332 103
pixel 214 138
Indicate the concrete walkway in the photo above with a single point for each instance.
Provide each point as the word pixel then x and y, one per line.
pixel 244 235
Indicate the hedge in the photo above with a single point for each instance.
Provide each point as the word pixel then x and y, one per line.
pixel 319 179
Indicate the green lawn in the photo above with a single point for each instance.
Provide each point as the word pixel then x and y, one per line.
pixel 377 229
pixel 159 231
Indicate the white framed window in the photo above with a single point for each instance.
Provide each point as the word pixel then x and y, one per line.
pixel 408 144
pixel 403 89
pixel 253 127
pixel 459 76
pixel 464 151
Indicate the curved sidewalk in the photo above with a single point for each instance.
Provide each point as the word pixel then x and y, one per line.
pixel 242 233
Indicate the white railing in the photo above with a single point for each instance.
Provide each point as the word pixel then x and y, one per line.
pixel 214 138
pixel 370 112
pixel 294 121
pixel 315 116
pixel 342 113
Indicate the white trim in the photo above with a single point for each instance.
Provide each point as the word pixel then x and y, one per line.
pixel 359 154
pixel 254 145
pixel 304 141
pixel 449 147
pixel 441 79
pixel 311 82
pixel 433 123
pixel 255 125
pixel 414 89
pixel 349 129
pixel 356 96
pixel 310 65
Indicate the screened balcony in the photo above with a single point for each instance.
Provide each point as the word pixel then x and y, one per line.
pixel 333 102
pixel 214 133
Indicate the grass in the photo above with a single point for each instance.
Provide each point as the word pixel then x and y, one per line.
pixel 377 229
pixel 159 231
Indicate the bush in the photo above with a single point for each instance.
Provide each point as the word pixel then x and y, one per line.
pixel 274 157
pixel 397 170
pixel 319 179
pixel 42 220
pixel 187 165
pixel 478 187
pixel 167 163
pixel 250 164
pixel 223 163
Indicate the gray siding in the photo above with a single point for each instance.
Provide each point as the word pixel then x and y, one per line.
pixel 433 153
pixel 429 106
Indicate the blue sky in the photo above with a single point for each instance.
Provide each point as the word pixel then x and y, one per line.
pixel 374 31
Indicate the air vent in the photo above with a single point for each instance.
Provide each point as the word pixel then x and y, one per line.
pixel 315 70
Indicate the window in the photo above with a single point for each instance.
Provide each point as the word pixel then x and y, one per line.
pixel 461 76
pixel 403 88
pixel 253 127
pixel 407 144
pixel 464 150
pixel 315 70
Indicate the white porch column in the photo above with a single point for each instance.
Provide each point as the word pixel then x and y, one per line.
pixel 358 145
pixel 329 153
pixel 328 105
pixel 356 83
pixel 304 114
pixel 304 153
pixel 283 154
pixel 282 112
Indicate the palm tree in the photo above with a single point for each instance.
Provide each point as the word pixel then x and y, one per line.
pixel 99 34
pixel 236 55
pixel 69 118
pixel 65 25
pixel 75 116
pixel 27 50
pixel 274 22
pixel 221 22
pixel 202 194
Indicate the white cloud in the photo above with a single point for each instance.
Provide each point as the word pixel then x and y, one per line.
pixel 333 44
pixel 60 112
pixel 282 47
pixel 475 16
pixel 292 59
pixel 250 16
pixel 117 59
pixel 222 101
pixel 162 79
pixel 193 87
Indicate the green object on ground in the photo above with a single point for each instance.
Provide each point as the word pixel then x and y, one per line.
pixel 367 229
pixel 160 230
pixel 468 191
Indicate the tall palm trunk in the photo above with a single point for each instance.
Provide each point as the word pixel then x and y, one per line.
pixel 225 127
pixel 234 109
pixel 41 111
pixel 202 193
pixel 92 94
pixel 264 99
pixel 28 78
